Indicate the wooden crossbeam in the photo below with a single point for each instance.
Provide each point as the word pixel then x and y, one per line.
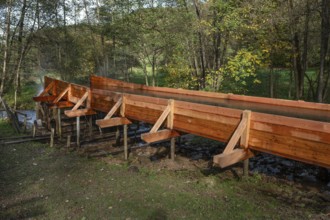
pixel 231 156
pixel 114 108
pixel 60 96
pixel 78 104
pixel 159 135
pixel 61 104
pixel 46 90
pixel 44 98
pixel 79 112
pixel 235 156
pixel 111 122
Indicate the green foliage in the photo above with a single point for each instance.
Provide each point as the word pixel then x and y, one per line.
pixel 240 67
pixel 6 129
pixel 24 100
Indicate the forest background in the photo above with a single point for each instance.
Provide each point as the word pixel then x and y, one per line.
pixel 272 48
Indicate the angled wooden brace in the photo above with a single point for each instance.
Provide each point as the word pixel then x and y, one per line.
pixel 155 135
pixel 60 96
pixel 42 98
pixel 230 155
pixel 111 122
pixel 81 101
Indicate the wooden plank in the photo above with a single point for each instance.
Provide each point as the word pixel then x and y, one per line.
pixel 44 98
pixel 78 104
pixel 61 104
pixel 159 135
pixel 145 104
pixel 105 123
pixel 206 116
pixel 235 156
pixel 292 131
pixel 290 147
pixel 114 109
pixel 79 112
pixel 280 102
pixel 60 96
pixel 228 112
pixel 204 128
pixel 148 99
pixel 106 83
pixel 291 122
pixel 161 119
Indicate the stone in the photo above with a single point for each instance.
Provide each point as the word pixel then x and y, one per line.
pixel 209 181
pixel 133 169
pixel 326 196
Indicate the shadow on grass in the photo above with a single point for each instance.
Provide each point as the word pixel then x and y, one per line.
pixel 158 214
pixel 23 209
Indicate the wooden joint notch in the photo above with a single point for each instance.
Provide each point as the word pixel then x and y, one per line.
pixel 231 156
pixel 159 135
pixel 79 112
pixel 111 122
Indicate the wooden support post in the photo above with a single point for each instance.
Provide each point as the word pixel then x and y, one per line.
pixel 246 167
pixel 59 121
pixel 55 118
pixel 52 134
pixel 78 131
pixel 25 123
pixel 117 136
pixel 90 126
pixel 34 129
pixel 245 140
pixel 172 148
pixel 68 141
pixel 125 142
pixel 170 126
pixel 122 113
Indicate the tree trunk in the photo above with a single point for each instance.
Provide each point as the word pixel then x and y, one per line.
pixel 296 48
pixel 325 26
pixel 271 82
pixel 201 48
pixel 6 47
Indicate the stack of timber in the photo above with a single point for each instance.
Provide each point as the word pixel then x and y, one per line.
pixel 292 129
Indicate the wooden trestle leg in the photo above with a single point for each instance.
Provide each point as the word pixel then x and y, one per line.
pixel 78 131
pixel 125 142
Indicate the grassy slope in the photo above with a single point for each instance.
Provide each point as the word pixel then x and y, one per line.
pixel 43 183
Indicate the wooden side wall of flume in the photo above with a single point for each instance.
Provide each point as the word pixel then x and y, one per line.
pixel 294 138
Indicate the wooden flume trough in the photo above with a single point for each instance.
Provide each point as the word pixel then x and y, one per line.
pixel 300 131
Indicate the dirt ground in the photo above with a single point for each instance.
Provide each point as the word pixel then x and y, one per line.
pixel 38 182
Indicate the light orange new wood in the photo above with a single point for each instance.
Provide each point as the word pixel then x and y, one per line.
pixel 159 135
pixel 111 122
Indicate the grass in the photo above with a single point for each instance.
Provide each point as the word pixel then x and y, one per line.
pixel 39 182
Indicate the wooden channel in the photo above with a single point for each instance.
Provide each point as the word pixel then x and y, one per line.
pixel 290 137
